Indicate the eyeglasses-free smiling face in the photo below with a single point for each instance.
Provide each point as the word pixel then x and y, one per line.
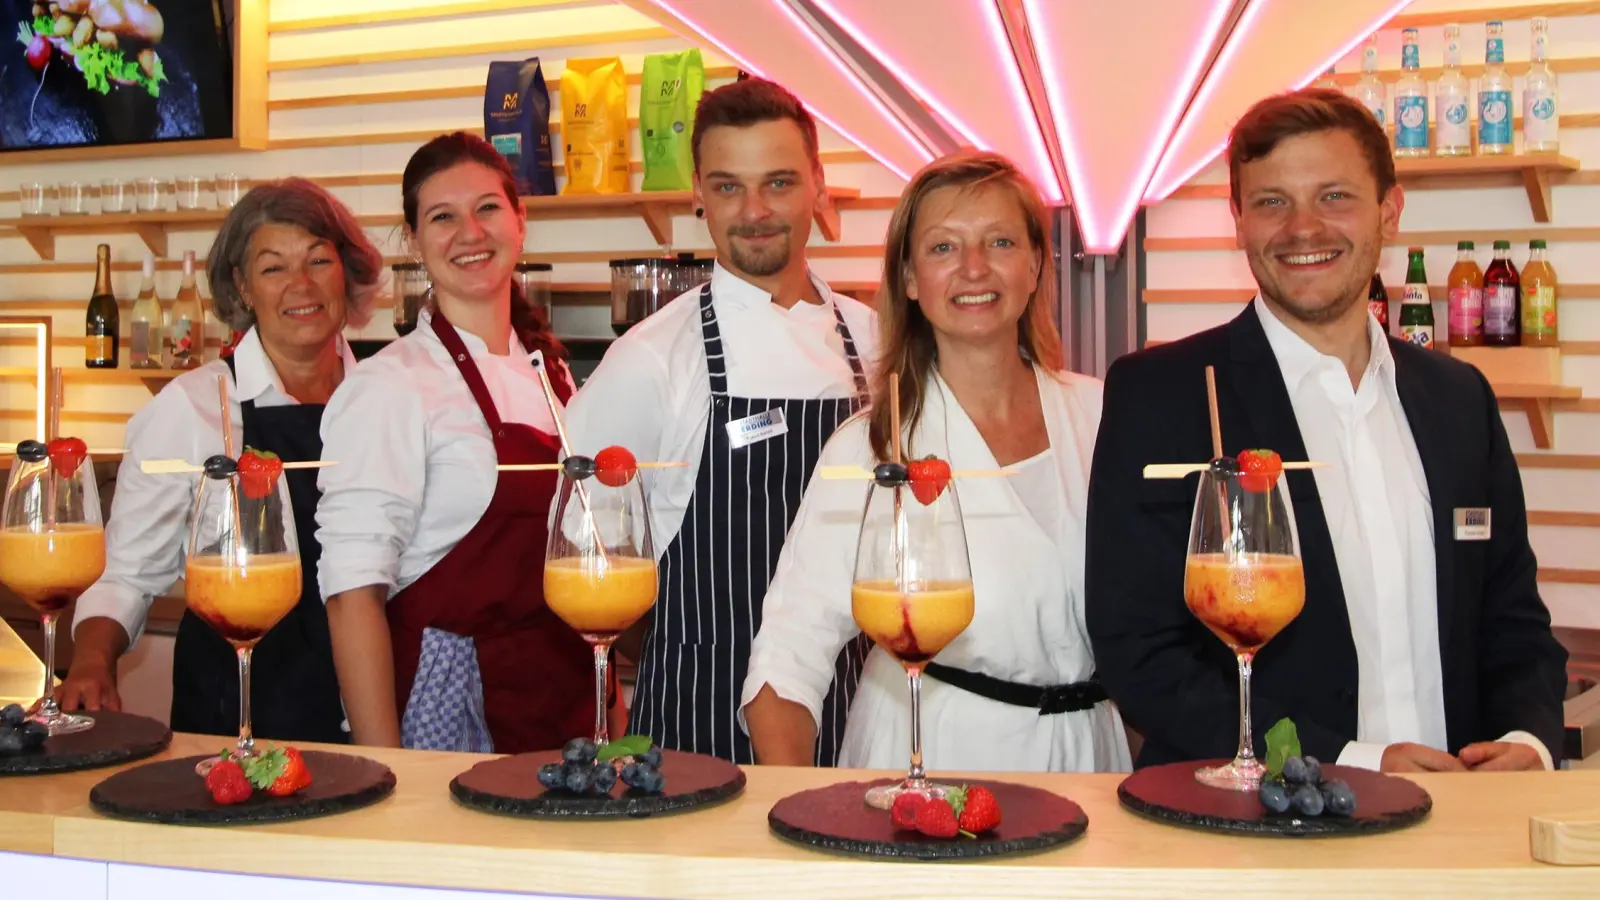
pixel 760 192
pixel 972 267
pixel 294 282
pixel 469 233
pixel 1312 224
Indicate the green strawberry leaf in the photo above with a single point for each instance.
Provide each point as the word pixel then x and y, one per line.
pixel 1283 741
pixel 264 454
pixel 266 767
pixel 632 745
pixel 958 799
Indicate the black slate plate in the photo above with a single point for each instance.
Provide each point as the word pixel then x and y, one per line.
pixel 169 792
pixel 1170 794
pixel 836 818
pixel 115 738
pixel 510 786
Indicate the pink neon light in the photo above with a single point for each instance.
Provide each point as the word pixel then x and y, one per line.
pixel 1012 75
pixel 744 63
pixel 1161 190
pixel 1103 233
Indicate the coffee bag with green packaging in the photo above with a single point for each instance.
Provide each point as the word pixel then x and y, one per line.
pixel 669 91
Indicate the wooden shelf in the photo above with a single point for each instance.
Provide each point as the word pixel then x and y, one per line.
pixel 656 208
pixel 1535 169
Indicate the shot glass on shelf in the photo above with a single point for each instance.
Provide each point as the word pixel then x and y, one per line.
pixel 116 196
pixel 191 192
pixel 32 197
pixel 230 187
pixel 74 198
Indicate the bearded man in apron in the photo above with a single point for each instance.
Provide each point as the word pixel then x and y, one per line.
pixel 745 378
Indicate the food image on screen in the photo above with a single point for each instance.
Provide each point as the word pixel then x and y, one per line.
pixel 100 72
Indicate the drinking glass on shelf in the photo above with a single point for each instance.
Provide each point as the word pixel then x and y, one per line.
pixel 151 195
pixel 32 197
pixel 912 594
pixel 191 192
pixel 1244 581
pixel 115 196
pixel 73 198
pixel 600 568
pixel 242 573
pixel 230 188
pixel 52 547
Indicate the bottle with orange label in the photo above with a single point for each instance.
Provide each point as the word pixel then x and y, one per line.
pixel 100 327
pixel 1465 289
pixel 1538 299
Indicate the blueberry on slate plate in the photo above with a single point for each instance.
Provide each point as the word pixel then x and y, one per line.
pixel 652 757
pixel 1308 800
pixel 10 741
pixel 551 775
pixel 13 715
pixel 1339 798
pixel 575 777
pixel 34 735
pixel 652 782
pixel 1313 770
pixel 579 750
pixel 604 778
pixel 630 773
pixel 1274 796
pixel 1294 770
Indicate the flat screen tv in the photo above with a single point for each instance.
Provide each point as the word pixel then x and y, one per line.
pixel 89 73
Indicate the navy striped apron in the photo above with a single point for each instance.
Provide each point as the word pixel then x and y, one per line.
pixel 714 575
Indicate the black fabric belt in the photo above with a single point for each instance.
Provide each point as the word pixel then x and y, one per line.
pixel 1050 700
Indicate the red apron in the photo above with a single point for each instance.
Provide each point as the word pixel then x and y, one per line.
pixel 538 674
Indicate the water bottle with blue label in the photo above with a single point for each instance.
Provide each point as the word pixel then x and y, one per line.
pixel 1541 115
pixel 1410 101
pixel 1494 97
pixel 1369 91
pixel 1451 98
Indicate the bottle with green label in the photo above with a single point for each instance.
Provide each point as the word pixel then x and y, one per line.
pixel 1416 309
pixel 1538 299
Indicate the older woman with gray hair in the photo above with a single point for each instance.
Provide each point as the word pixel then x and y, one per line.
pixel 290 267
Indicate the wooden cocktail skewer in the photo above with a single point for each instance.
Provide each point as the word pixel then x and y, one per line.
pixel 566 450
pixel 856 473
pixel 902 579
pixel 9 449
pixel 1216 421
pixel 1180 470
pixel 555 467
pixel 227 448
pixel 184 467
pixel 52 431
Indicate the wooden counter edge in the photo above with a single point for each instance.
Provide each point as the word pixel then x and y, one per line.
pixel 1566 839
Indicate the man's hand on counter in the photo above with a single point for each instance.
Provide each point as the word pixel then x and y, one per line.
pixel 1501 756
pixel 1408 757
pixel 91 683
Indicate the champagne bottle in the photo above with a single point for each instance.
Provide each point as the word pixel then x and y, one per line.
pixel 188 321
pixel 144 333
pixel 100 327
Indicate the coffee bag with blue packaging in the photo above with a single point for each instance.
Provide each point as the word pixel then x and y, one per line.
pixel 516 120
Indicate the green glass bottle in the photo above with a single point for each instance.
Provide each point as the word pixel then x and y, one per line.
pixel 1416 308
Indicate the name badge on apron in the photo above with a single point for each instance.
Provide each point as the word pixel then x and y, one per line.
pixel 1472 524
pixel 754 429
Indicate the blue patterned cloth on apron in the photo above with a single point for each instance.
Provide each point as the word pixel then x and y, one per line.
pixel 445 709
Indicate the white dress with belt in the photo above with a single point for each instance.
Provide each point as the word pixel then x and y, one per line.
pixel 1027 561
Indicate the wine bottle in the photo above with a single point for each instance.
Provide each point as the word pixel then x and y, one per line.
pixel 100 327
pixel 188 321
pixel 144 332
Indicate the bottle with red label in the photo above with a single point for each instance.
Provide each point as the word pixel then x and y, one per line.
pixel 1465 287
pixel 1502 300
pixel 1378 301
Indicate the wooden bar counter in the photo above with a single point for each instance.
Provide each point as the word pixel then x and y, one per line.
pixel 1475 844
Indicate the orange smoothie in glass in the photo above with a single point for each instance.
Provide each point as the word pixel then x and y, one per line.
pixel 912 625
pixel 600 600
pixel 1248 602
pixel 49 569
pixel 243 602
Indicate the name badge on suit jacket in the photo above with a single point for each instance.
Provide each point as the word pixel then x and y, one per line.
pixel 759 427
pixel 1472 524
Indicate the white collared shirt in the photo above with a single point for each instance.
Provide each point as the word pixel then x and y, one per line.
pixel 150 513
pixel 651 393
pixel 416 459
pixel 1375 499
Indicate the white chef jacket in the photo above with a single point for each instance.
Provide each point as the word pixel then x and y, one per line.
pixel 1376 502
pixel 150 513
pixel 651 392
pixel 1028 625
pixel 416 459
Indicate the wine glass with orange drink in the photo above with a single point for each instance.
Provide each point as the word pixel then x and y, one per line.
pixel 52 546
pixel 242 574
pixel 1243 578
pixel 912 590
pixel 600 565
